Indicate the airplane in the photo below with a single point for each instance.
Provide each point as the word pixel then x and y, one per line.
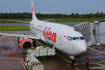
pixel 63 37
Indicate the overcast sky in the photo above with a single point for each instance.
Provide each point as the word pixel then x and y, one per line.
pixel 53 6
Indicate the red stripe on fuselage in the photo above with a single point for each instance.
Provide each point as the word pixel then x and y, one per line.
pixel 32 10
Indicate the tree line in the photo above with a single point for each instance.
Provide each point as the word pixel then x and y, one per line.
pixel 26 15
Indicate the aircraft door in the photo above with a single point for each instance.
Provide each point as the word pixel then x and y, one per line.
pixel 60 39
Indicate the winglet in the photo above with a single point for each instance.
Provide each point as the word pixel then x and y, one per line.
pixel 34 18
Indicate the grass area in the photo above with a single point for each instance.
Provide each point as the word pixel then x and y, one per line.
pixel 67 20
pixel 2 21
pixel 71 25
pixel 15 28
pixel 56 20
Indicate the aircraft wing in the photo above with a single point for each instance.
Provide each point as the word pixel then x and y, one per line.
pixel 24 36
pixel 27 21
pixel 45 21
pixel 19 35
pixel 19 21
pixel 48 20
pixel 68 23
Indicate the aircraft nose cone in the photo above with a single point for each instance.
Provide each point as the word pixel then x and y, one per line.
pixel 80 47
pixel 83 48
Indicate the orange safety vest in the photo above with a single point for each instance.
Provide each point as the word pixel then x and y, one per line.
pixel 87 61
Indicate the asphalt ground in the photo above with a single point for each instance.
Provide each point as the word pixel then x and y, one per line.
pixel 61 61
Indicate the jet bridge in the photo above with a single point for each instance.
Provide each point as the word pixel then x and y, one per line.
pixel 94 33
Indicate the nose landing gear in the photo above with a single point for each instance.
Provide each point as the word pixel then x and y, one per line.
pixel 72 60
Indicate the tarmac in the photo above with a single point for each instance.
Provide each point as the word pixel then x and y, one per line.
pixel 16 60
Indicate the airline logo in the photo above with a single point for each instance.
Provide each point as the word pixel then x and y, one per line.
pixel 49 34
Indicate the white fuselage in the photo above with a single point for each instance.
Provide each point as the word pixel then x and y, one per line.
pixel 58 36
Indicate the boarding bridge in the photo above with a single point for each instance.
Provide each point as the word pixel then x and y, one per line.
pixel 93 32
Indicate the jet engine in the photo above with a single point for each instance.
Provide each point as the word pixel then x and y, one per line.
pixel 25 43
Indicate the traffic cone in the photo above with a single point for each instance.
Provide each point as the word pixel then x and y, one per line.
pixel 9 51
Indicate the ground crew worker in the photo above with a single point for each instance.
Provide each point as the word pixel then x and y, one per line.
pixel 87 63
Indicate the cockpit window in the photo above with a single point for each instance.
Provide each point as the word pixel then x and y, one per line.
pixel 69 38
pixel 81 38
pixel 74 38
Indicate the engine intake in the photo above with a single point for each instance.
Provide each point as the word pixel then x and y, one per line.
pixel 25 43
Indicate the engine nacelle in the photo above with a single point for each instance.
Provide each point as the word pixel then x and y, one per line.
pixel 25 43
